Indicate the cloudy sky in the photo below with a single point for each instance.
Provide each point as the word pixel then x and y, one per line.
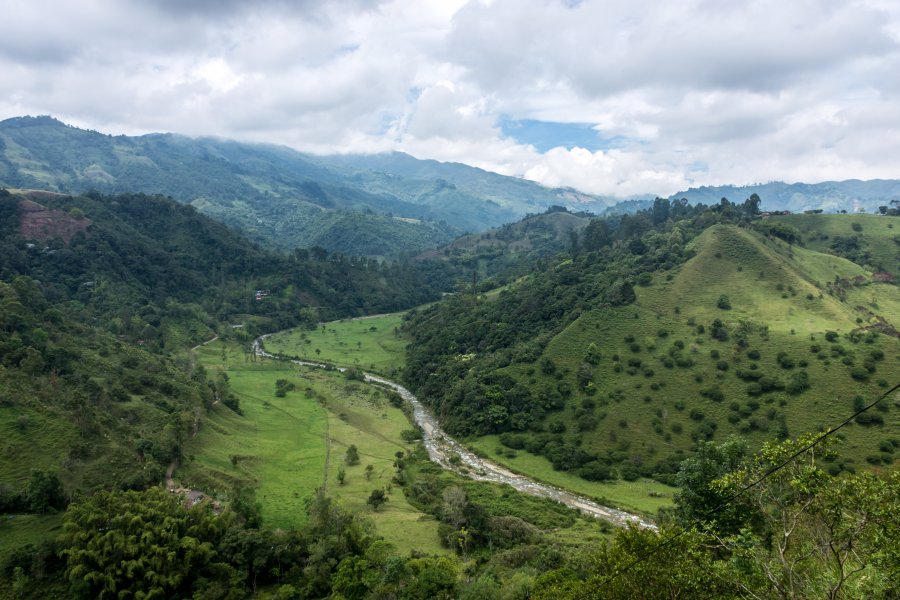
pixel 614 97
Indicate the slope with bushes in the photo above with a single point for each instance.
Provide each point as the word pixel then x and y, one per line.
pixel 616 362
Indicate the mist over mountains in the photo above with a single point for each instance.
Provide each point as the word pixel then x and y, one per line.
pixel 373 205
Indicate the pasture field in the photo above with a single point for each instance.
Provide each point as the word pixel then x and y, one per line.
pixel 370 343
pixel 663 380
pixel 875 237
pixel 643 496
pixel 287 447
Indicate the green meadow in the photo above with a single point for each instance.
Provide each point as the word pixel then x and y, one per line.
pixel 370 343
pixel 17 531
pixel 876 236
pixel 644 495
pixel 284 448
pixel 381 347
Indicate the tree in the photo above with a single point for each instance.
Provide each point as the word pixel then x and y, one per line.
pixel 376 499
pixel 44 493
pixel 369 470
pixel 352 455
pixel 697 498
pixel 341 475
pixel 679 564
pixel 145 544
pixel 818 536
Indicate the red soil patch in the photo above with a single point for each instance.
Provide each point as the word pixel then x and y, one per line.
pixel 37 222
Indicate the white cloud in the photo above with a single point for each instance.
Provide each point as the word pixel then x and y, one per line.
pixel 697 91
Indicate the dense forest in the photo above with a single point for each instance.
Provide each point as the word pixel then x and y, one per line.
pixel 157 270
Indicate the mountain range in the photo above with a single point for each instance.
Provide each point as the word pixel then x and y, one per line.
pixel 379 205
pixel 852 195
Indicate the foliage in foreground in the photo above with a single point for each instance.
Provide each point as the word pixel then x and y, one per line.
pixel 799 533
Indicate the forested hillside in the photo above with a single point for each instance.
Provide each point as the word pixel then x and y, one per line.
pixel 159 271
pixel 392 204
pixel 98 294
pixel 673 326
pixel 499 255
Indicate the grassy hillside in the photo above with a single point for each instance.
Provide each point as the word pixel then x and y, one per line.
pixel 872 241
pixel 379 344
pixel 616 363
pixel 286 447
pixel 663 380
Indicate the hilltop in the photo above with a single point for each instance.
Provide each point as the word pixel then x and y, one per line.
pixel 616 359
pixel 276 195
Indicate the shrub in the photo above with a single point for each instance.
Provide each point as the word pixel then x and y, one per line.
pixel 724 303
pixel 859 373
pixel 352 455
pixel 557 427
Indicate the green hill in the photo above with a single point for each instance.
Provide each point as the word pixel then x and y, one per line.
pixel 498 255
pixel 872 241
pixel 733 333
pixel 98 295
pixel 384 205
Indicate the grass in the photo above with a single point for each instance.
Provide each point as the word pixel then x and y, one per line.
pixel 277 447
pixel 284 447
pixel 19 426
pixel 645 495
pixel 360 415
pixel 372 343
pixel 19 530
pixel 654 413
pixel 876 235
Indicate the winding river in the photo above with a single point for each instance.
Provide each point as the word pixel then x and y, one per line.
pixel 441 447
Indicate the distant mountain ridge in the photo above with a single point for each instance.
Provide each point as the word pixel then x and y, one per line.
pixel 829 196
pixel 373 205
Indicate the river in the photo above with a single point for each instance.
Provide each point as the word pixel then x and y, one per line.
pixel 442 447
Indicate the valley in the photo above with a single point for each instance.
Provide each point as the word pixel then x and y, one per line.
pixel 504 407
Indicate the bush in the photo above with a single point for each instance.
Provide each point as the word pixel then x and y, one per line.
pixel 352 455
pixel 557 427
pixel 859 373
pixel 831 336
pixel 724 303
pixel 596 471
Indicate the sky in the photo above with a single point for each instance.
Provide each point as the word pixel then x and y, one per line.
pixel 612 97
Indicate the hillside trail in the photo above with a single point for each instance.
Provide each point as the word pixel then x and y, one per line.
pixel 442 448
